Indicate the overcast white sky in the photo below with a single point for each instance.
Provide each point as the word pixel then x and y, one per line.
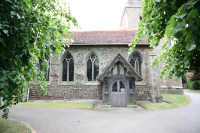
pixel 97 14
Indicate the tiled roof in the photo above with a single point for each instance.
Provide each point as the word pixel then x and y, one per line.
pixel 139 78
pixel 105 37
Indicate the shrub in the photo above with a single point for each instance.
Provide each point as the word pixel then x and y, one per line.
pixel 195 85
pixel 184 79
pixel 189 82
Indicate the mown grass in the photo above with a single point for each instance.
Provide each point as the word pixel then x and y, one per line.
pixel 13 126
pixel 174 99
pixel 195 91
pixel 57 105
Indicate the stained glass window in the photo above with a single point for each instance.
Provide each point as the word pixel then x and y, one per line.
pixel 132 63
pixel 96 69
pixel 89 70
pixel 68 68
pixel 71 70
pixel 136 62
pixel 64 77
pixel 92 68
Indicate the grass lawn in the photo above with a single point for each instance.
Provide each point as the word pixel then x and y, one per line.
pixel 195 91
pixel 57 105
pixel 13 126
pixel 175 99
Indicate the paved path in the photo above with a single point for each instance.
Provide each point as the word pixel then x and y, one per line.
pixel 55 120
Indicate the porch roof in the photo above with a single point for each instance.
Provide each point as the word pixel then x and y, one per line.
pixel 126 64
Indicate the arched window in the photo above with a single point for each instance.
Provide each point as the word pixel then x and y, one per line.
pixel 136 62
pixel 46 69
pixel 92 67
pixel 68 68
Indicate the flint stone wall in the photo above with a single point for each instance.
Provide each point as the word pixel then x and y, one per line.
pixel 165 82
pixel 82 89
pixel 172 91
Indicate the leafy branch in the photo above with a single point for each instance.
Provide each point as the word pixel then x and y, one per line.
pixel 179 23
pixel 29 31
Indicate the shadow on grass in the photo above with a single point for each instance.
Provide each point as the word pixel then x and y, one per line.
pixel 171 101
pixel 13 126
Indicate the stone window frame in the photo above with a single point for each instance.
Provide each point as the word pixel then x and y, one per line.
pixel 85 68
pixel 61 69
pixel 137 60
pixel 141 54
pixel 68 60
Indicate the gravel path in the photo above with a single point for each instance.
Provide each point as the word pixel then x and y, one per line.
pixel 55 120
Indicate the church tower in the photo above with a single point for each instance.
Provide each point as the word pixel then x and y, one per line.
pixel 131 15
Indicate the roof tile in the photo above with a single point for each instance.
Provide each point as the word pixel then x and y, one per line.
pixel 105 37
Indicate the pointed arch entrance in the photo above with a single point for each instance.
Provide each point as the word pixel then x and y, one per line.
pixel 118 93
pixel 118 83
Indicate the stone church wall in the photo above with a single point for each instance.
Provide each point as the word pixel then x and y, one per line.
pixel 167 86
pixel 131 15
pixel 80 89
pixel 85 90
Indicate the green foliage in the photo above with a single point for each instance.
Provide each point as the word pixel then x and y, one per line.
pixel 189 82
pixel 179 22
pixel 13 126
pixel 184 79
pixel 196 85
pixel 193 84
pixel 29 30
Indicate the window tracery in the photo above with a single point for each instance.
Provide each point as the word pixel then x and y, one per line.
pixel 68 68
pixel 136 62
pixel 92 67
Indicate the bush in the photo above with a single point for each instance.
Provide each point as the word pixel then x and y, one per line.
pixel 193 84
pixel 189 82
pixel 184 79
pixel 196 85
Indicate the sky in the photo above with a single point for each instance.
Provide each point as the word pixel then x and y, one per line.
pixel 97 14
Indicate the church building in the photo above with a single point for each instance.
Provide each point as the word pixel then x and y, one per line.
pixel 97 66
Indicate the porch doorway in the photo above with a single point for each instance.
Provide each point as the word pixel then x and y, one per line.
pixel 118 93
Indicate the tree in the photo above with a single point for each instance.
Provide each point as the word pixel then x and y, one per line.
pixel 179 22
pixel 29 31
